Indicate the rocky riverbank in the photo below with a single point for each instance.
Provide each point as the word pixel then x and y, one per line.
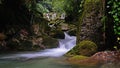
pixel 96 59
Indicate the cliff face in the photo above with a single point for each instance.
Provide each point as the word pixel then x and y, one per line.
pixel 90 25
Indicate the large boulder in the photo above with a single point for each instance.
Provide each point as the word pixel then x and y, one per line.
pixel 86 48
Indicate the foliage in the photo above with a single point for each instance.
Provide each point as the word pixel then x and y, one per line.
pixel 114 6
pixel 41 8
pixel 58 5
pixel 50 5
pixel 85 48
pixel 73 8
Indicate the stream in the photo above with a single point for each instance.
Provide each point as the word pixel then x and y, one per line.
pixel 64 46
pixel 48 63
pixel 36 63
pixel 48 58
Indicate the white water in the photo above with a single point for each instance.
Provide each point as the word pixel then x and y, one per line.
pixel 64 46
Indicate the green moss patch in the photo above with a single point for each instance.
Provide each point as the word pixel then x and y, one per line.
pixel 78 57
pixel 86 48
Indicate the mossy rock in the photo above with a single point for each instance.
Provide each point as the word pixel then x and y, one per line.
pixel 86 48
pixel 77 60
pixel 78 57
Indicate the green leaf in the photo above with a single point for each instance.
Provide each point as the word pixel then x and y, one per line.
pixel 115 30
pixel 118 33
pixel 109 12
pixel 119 3
pixel 109 2
pixel 112 12
pixel 118 28
pixel 80 5
pixel 80 11
pixel 115 16
pixel 118 8
pixel 82 1
pixel 114 26
pixel 115 5
pixel 116 19
pixel 115 47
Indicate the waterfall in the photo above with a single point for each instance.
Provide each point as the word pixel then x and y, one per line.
pixel 64 46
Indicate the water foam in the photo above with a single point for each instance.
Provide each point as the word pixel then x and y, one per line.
pixel 64 46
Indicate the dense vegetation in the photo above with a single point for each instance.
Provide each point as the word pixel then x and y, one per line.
pixel 113 12
pixel 26 22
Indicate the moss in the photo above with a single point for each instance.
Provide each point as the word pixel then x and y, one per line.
pixel 90 4
pixel 78 57
pixel 78 60
pixel 86 48
pixel 89 10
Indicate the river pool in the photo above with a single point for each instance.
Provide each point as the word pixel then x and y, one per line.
pixel 47 63
pixel 37 63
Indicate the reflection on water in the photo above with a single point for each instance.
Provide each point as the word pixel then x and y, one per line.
pixel 48 63
pixel 36 63
pixel 111 65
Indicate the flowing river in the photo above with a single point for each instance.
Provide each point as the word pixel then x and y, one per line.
pixel 48 58
pixel 64 46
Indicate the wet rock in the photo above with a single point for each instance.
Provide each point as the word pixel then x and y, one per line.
pixel 50 42
pixel 105 58
pixel 37 43
pixel 64 26
pixel 2 36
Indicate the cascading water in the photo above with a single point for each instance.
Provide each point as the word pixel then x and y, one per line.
pixel 64 46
